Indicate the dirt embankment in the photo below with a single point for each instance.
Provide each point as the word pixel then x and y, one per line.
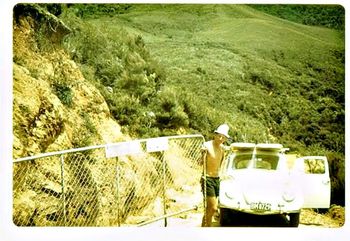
pixel 55 108
pixel 333 218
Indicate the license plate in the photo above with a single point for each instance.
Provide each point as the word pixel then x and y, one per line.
pixel 259 206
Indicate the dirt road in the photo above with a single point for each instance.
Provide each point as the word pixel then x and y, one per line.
pixel 308 218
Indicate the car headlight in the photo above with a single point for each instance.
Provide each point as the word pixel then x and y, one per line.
pixel 288 196
pixel 289 193
pixel 228 186
pixel 229 195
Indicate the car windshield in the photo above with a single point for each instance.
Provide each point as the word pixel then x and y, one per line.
pixel 266 161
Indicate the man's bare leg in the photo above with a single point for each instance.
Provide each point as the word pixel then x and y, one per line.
pixel 211 209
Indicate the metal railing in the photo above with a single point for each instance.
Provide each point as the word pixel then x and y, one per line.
pixel 129 183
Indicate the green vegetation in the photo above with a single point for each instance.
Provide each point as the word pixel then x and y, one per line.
pixel 168 69
pixel 332 16
pixel 64 93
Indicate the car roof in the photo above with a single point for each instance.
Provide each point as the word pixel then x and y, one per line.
pixel 269 147
pixel 242 146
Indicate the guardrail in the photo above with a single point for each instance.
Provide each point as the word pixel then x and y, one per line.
pixel 130 183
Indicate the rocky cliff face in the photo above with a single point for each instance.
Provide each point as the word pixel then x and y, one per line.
pixel 54 107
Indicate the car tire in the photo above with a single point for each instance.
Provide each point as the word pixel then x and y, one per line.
pixel 224 217
pixel 294 219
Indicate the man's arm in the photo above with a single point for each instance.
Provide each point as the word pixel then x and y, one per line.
pixel 204 152
pixel 223 154
pixel 222 160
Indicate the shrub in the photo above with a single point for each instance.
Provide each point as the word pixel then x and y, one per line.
pixel 332 16
pixel 64 93
pixel 337 173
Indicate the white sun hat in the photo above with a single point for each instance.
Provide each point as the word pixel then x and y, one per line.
pixel 223 129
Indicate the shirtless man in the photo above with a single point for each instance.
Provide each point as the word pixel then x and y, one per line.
pixel 212 157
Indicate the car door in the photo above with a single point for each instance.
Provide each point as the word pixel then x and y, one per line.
pixel 314 180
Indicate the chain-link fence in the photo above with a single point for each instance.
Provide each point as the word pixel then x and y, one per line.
pixel 122 184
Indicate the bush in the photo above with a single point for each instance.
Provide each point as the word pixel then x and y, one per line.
pixel 64 93
pixel 97 10
pixel 120 62
pixel 337 173
pixel 332 16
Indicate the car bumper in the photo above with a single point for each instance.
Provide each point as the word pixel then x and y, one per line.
pixel 246 209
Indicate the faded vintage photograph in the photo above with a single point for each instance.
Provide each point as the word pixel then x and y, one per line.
pixel 178 115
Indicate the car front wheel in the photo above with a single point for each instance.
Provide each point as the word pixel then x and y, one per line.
pixel 225 217
pixel 294 219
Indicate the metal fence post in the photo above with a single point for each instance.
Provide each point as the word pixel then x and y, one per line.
pixel 63 193
pixel 117 191
pixel 205 188
pixel 164 189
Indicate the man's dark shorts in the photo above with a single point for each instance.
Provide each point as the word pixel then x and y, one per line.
pixel 213 186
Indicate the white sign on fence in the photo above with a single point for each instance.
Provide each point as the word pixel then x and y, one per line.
pixel 157 144
pixel 123 148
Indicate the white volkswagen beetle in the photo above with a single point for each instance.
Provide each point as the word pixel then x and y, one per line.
pixel 257 179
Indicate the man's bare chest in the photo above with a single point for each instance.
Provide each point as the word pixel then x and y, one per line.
pixel 215 155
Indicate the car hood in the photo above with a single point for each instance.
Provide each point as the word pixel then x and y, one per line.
pixel 261 185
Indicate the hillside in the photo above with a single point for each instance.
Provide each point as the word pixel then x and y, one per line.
pixel 153 70
pixel 270 79
pixel 233 51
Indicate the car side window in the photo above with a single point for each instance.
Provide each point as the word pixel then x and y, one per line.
pixel 314 166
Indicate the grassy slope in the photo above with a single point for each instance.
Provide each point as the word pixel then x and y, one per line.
pixel 269 79
pixel 208 50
